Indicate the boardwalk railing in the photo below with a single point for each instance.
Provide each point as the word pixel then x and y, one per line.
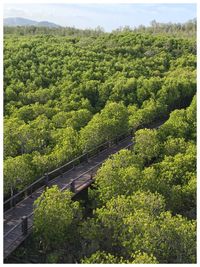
pixel 27 191
pixel 16 235
pixel 20 231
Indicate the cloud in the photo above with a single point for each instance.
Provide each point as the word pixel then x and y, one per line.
pixel 12 12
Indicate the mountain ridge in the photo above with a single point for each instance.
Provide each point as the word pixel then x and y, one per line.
pixel 19 21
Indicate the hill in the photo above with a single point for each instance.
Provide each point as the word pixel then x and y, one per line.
pixel 27 22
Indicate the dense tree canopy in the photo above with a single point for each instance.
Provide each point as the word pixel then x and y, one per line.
pixel 111 122
pixel 139 222
pixel 54 216
pixel 90 85
pixel 107 258
pixel 67 91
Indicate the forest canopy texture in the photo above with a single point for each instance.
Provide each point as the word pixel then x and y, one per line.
pixel 66 93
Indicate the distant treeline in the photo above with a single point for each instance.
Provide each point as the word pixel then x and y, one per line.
pixel 187 29
pixel 61 31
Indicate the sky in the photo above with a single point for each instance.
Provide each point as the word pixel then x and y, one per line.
pixel 108 16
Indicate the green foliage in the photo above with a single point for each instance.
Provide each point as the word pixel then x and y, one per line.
pixel 11 136
pixel 176 238
pixel 118 176
pixel 67 91
pixel 151 109
pixel 183 198
pixel 100 257
pixel 41 163
pixel 111 122
pixel 47 88
pixel 138 222
pixel 173 146
pixel 124 90
pixel 172 178
pixel 65 146
pixel 142 258
pixel 76 119
pixel 127 221
pixel 182 123
pixel 177 88
pixel 192 117
pixel 17 173
pixel 176 126
pixel 169 238
pixel 147 145
pixel 109 230
pixel 148 88
pixel 54 215
pixel 107 258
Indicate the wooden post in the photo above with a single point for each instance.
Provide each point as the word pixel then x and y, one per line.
pixel 13 201
pixel 86 158
pixel 24 225
pixel 31 192
pixel 46 181
pixel 72 187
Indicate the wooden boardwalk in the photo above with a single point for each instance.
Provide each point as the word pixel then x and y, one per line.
pixel 76 179
pixel 82 177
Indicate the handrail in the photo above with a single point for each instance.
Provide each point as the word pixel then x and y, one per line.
pixel 73 161
pixel 24 190
pixel 19 235
pixel 62 189
pixel 78 177
pixel 73 189
pixel 14 227
pixel 30 187
pixel 68 163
